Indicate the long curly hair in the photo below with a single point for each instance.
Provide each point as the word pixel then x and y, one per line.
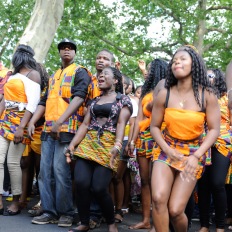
pixel 198 71
pixel 117 76
pixel 219 83
pixel 23 58
pixel 158 71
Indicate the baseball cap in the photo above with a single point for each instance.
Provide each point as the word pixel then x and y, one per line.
pixel 67 41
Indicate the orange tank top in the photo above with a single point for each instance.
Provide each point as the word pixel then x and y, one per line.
pixel 184 124
pixel 144 124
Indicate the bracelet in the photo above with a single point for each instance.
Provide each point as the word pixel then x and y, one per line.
pixel 132 142
pixel 118 148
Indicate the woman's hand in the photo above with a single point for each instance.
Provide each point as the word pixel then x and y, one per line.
pixel 174 155
pixel 131 148
pixel 142 65
pixel 31 130
pixel 190 168
pixel 68 152
pixel 18 135
pixel 114 152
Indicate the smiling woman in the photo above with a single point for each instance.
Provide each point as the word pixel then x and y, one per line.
pixel 97 145
pixel 180 153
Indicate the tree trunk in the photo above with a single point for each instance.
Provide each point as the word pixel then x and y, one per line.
pixel 42 26
pixel 201 28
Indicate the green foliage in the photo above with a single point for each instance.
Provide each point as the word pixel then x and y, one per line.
pixel 131 29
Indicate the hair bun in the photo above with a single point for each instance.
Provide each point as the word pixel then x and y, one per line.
pixel 25 49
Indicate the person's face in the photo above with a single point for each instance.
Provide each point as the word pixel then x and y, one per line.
pixel 67 52
pixel 181 65
pixel 211 76
pixel 106 79
pixel 138 92
pixel 103 59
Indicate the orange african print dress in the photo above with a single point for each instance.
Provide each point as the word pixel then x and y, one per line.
pixel 20 94
pixel 184 129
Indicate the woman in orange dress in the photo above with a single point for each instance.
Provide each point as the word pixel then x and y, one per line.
pixel 21 96
pixel 144 143
pixel 180 153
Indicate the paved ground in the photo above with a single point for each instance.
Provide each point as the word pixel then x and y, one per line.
pixel 22 223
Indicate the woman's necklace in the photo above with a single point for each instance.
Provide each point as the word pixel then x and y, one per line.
pixel 181 101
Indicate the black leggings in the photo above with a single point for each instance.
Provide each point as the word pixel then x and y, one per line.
pixel 213 182
pixel 93 178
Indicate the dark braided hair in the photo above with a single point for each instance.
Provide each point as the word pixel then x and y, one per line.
pixel 198 71
pixel 43 75
pixel 219 82
pixel 117 76
pixel 157 72
pixel 23 58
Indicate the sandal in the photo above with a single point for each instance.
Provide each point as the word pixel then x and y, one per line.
pixel 8 212
pixel 118 216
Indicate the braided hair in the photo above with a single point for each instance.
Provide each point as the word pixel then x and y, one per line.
pixel 23 58
pixel 117 76
pixel 219 84
pixel 198 72
pixel 157 72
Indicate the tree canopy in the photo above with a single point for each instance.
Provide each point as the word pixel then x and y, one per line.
pixel 131 29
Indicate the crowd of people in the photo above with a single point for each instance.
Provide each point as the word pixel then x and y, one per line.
pixel 94 141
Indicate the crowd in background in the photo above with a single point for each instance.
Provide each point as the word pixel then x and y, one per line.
pixel 94 144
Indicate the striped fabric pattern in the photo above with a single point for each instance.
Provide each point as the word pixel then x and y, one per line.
pixel 185 147
pixel 144 144
pixel 96 150
pixel 10 122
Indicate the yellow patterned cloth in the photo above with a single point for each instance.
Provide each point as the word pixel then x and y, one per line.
pixel 186 148
pixel 97 150
pixel 223 143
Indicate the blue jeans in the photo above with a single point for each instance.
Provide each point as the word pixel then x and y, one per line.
pixel 55 183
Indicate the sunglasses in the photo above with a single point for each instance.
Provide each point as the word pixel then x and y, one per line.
pixel 211 75
pixel 70 47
